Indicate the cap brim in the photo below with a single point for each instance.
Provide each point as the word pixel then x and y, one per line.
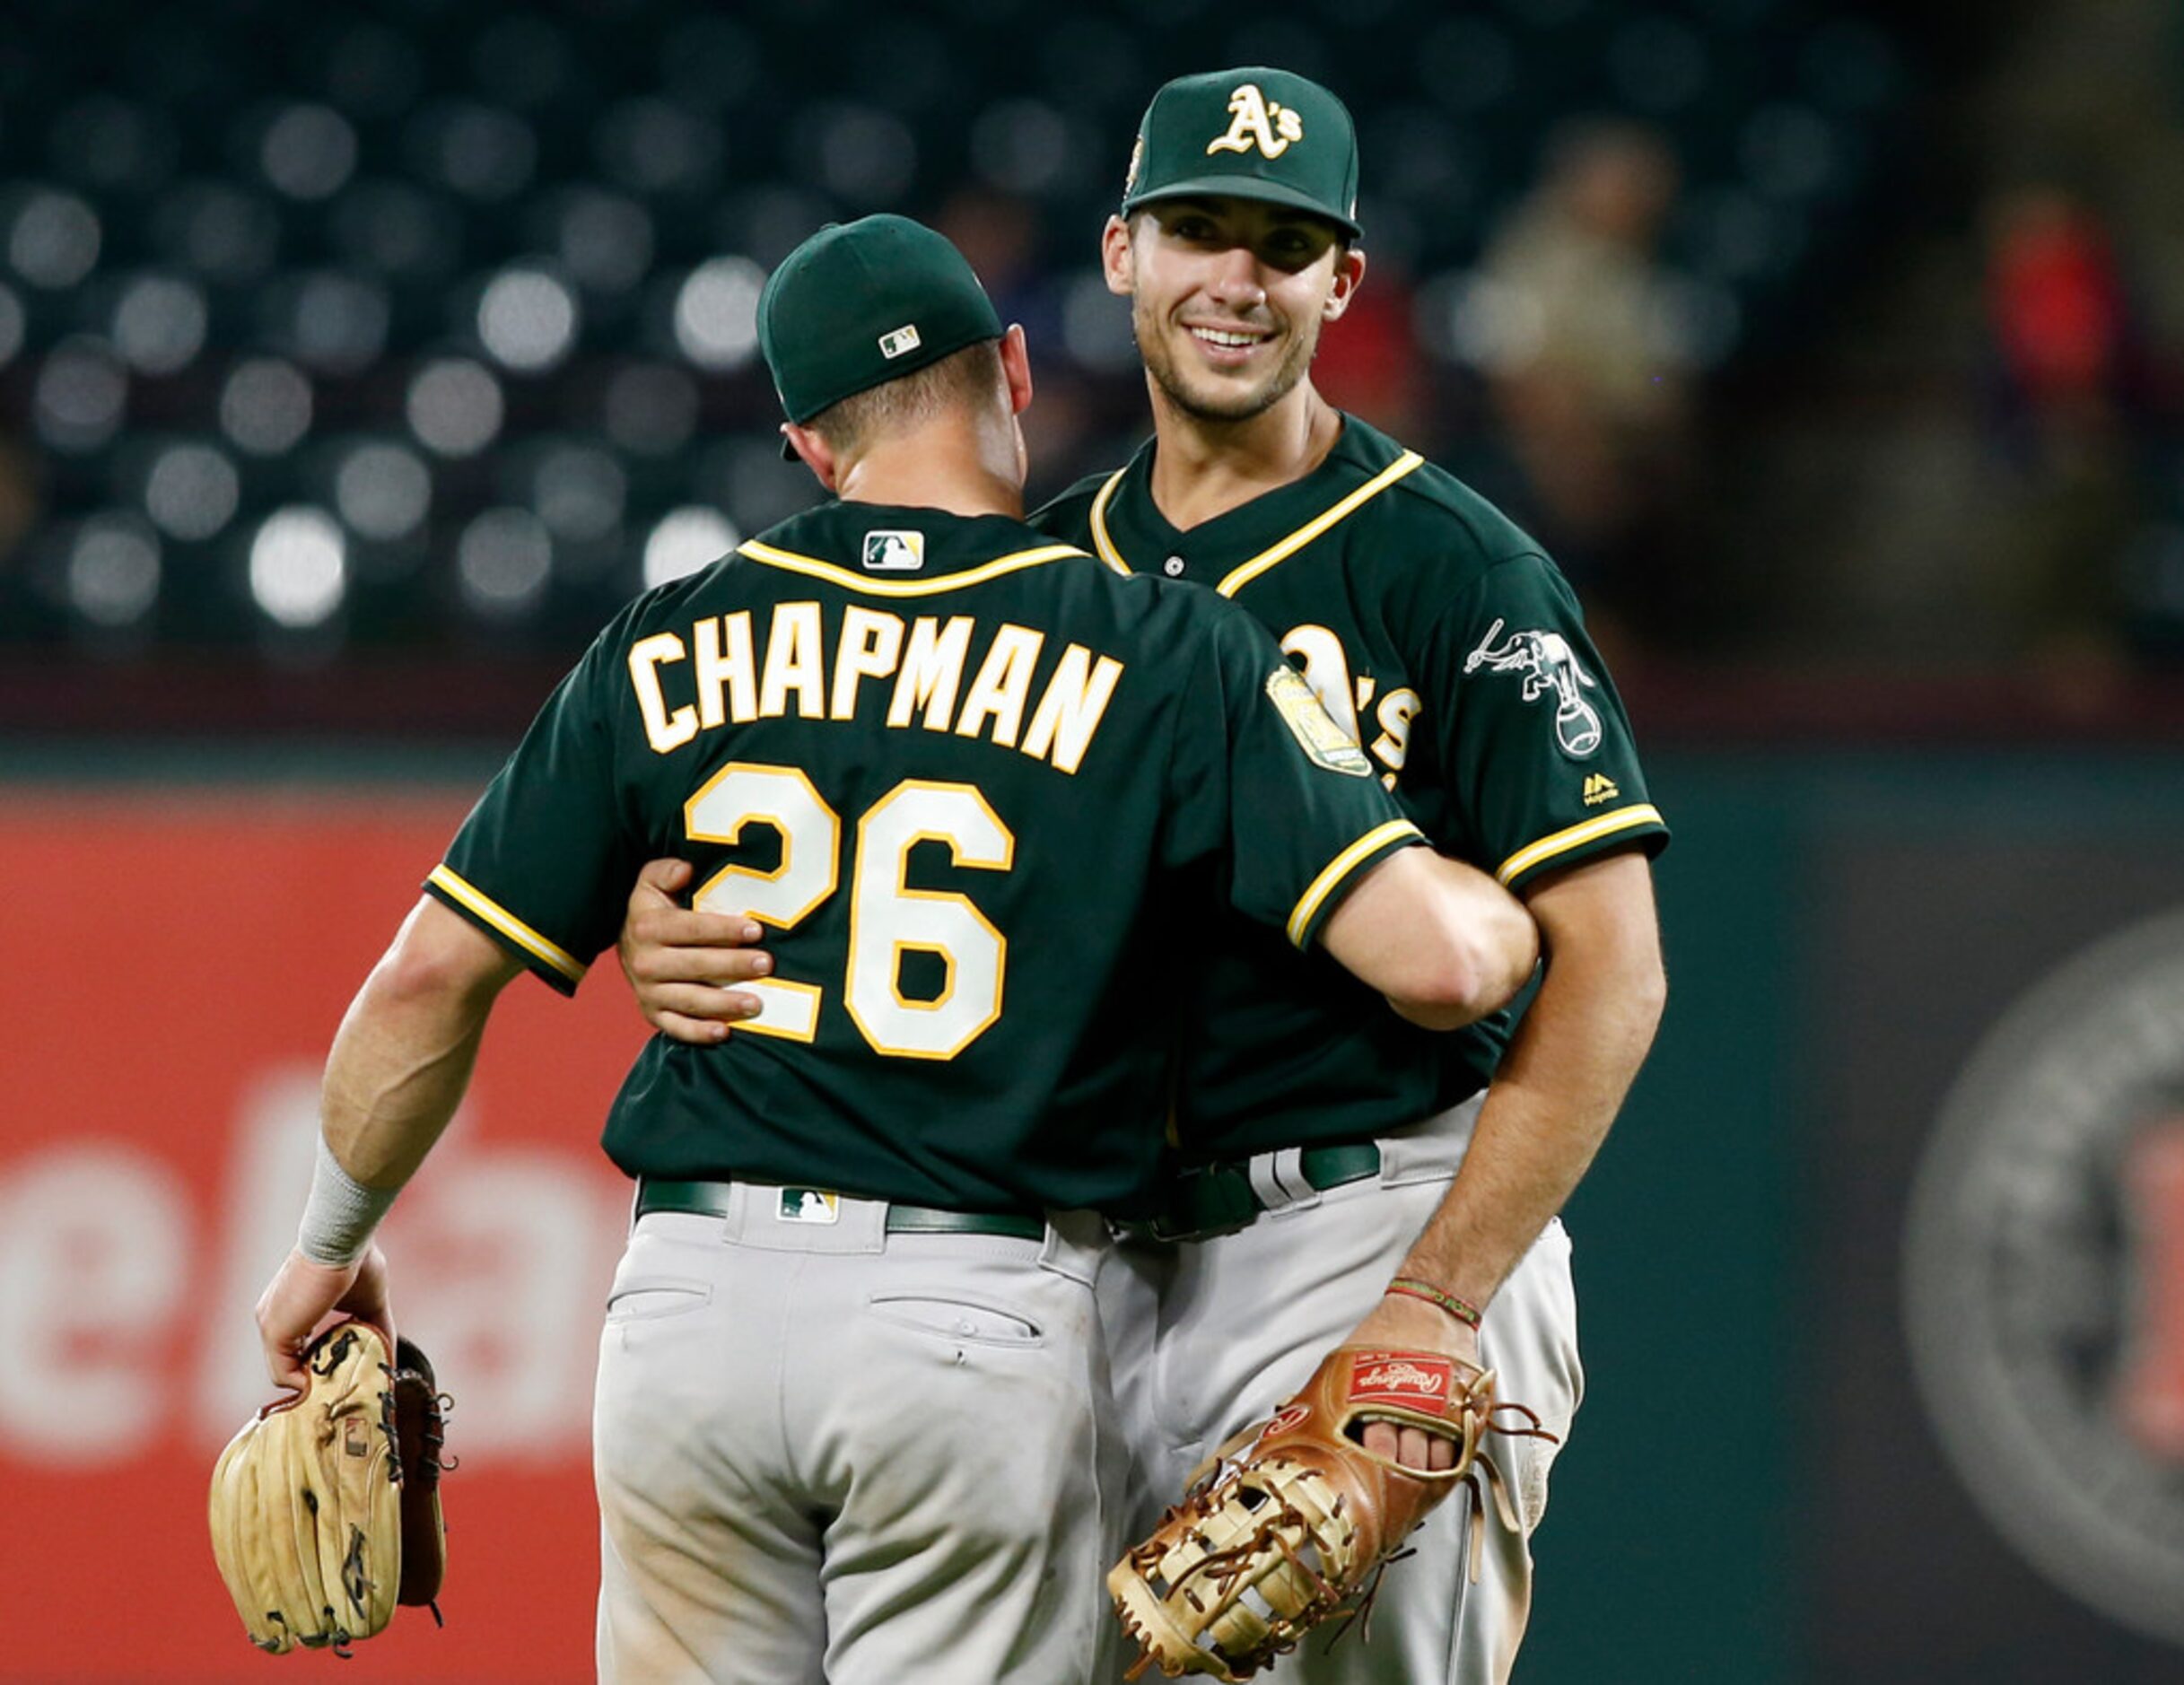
pixel 1243 188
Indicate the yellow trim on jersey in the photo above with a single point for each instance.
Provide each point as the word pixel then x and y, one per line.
pixel 1340 868
pixel 508 924
pixel 1577 836
pixel 852 580
pixel 1242 576
pixel 1101 542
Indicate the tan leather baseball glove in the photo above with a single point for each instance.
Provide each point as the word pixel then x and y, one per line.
pixel 1297 1519
pixel 325 1507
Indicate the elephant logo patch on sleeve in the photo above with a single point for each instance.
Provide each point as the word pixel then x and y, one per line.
pixel 1550 667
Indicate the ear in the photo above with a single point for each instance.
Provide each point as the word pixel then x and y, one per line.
pixel 1115 257
pixel 1349 277
pixel 817 455
pixel 1016 366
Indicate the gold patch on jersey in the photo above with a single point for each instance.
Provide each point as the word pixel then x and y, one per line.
pixel 1600 788
pixel 809 1205
pixel 1313 727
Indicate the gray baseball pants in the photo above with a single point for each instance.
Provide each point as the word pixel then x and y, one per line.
pixel 829 1453
pixel 1208 1336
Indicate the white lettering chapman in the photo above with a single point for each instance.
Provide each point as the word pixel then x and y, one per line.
pixel 724 674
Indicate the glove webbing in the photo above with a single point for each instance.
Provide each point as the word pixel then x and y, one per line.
pixel 1221 1568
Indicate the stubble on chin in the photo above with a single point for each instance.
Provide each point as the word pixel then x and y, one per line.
pixel 1207 399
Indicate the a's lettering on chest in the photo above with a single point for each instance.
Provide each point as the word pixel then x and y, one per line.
pixel 1379 720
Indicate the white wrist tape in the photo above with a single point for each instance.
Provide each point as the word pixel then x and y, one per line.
pixel 341 1213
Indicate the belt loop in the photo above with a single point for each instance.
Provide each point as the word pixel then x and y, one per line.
pixel 737 1217
pixel 1076 1242
pixel 1278 1179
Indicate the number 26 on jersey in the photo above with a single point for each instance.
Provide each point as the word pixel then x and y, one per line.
pixel 888 920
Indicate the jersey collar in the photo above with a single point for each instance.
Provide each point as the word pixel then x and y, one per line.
pixel 830 543
pixel 1129 532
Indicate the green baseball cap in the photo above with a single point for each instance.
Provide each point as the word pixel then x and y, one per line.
pixel 861 303
pixel 1254 133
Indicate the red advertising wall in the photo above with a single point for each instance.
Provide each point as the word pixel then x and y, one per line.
pixel 172 968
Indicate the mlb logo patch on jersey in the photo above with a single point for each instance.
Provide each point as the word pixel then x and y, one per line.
pixel 902 340
pixel 894 552
pixel 809 1205
pixel 1313 728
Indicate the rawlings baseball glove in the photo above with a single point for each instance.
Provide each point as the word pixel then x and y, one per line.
pixel 325 1506
pixel 1301 1524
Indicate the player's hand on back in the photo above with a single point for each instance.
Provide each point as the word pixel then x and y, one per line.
pixel 683 966
pixel 1410 1325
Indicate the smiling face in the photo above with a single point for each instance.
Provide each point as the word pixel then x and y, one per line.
pixel 1228 297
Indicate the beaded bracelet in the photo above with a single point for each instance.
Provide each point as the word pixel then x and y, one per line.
pixel 1462 1310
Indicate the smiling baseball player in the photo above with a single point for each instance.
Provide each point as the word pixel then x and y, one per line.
pixel 853 1411
pixel 1333 1160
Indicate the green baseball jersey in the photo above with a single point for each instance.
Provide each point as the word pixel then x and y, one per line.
pixel 975 781
pixel 1440 636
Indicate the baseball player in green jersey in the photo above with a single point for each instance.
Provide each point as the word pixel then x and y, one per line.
pixel 1325 1148
pixel 852 1421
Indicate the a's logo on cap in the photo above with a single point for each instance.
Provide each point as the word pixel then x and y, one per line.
pixel 903 339
pixel 1256 121
pixel 897 552
pixel 1130 176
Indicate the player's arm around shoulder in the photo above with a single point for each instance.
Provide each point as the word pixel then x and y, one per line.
pixel 1442 940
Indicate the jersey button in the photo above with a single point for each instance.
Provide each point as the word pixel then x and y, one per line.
pixel 1173 567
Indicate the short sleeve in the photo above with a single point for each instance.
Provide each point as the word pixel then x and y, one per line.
pixel 1263 775
pixel 544 862
pixel 1537 748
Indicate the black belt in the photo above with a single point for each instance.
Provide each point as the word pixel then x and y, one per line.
pixel 710 1198
pixel 1205 1199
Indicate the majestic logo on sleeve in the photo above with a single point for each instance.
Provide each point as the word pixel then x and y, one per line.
pixel 1313 727
pixel 1550 667
pixel 1256 121
pixel 896 552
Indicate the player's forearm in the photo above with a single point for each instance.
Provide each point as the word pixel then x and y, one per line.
pixel 1442 940
pixel 1498 938
pixel 1560 1084
pixel 404 1054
